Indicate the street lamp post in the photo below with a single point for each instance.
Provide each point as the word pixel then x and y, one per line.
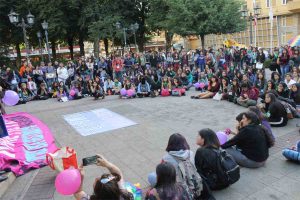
pixel 39 35
pixel 45 27
pixel 250 18
pixel 134 27
pixel 14 19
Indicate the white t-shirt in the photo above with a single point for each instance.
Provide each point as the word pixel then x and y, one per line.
pixel 290 83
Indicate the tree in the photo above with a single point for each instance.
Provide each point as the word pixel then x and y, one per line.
pixel 202 17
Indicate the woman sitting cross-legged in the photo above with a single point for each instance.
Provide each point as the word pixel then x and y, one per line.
pixel 143 89
pixel 250 146
pixel 213 88
pixel 275 111
pixel 108 186
pixel 166 187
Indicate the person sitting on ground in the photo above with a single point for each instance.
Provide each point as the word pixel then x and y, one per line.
pixel 25 95
pixel 108 86
pixel 250 146
pixel 117 86
pixel 97 91
pixel 213 88
pixel 282 90
pixel 186 83
pixel 177 150
pixel 235 92
pixel 261 83
pixel 202 79
pixel 206 158
pixel 143 89
pixel 292 154
pixel 31 85
pixel 61 95
pixel 225 89
pixel 54 89
pixel 155 85
pixel 264 122
pixel 177 88
pixel 42 93
pixel 275 111
pixel 166 85
pixel 289 81
pixel 295 93
pixel 248 95
pixel 166 187
pixel 108 186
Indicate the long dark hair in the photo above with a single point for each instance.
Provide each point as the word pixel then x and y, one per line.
pixel 210 138
pixel 257 111
pixel 252 117
pixel 166 185
pixel 177 142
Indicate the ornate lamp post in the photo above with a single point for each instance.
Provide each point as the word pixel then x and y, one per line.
pixel 45 27
pixel 39 35
pixel 14 19
pixel 134 27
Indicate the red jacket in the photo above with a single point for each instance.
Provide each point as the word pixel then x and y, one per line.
pixel 117 64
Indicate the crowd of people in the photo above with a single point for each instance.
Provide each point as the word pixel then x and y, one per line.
pixel 232 74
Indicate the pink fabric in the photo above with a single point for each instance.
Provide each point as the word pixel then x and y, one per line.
pixel 26 145
pixel 165 92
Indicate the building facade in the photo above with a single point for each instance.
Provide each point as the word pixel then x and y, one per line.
pixel 286 24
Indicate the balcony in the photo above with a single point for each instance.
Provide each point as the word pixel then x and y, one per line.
pixel 294 6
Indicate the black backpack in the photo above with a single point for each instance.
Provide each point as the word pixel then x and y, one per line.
pixel 228 171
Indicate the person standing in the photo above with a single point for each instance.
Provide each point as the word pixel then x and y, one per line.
pixel 62 73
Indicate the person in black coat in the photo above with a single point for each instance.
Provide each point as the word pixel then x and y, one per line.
pixel 250 146
pixel 275 111
pixel 206 158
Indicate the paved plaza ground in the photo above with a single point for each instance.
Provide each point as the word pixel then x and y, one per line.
pixel 138 149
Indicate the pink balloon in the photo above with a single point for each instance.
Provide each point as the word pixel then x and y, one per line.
pixel 222 137
pixel 123 92
pixel 68 181
pixel 130 92
pixel 10 98
pixel 72 92
pixel 201 85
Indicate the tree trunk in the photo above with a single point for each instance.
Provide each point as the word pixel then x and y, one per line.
pixel 202 41
pixel 70 43
pixel 81 44
pixel 96 48
pixel 106 46
pixel 19 57
pixel 169 38
pixel 53 48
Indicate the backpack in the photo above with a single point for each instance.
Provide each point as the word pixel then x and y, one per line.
pixel 189 178
pixel 228 171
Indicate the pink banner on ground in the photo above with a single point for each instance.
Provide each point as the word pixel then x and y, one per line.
pixel 26 145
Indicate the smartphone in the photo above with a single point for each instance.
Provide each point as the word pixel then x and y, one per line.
pixel 89 160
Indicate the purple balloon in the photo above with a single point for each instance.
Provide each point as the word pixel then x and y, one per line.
pixel 68 181
pixel 222 137
pixel 10 98
pixel 197 85
pixel 123 92
pixel 202 85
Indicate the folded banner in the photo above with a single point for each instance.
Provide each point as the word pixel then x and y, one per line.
pixel 27 143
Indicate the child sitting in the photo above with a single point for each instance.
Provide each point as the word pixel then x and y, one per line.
pixel 202 79
pixel 108 86
pixel 97 91
pixel 177 89
pixel 166 86
pixel 292 154
pixel 143 89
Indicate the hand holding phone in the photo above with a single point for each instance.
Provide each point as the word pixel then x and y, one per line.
pixel 89 160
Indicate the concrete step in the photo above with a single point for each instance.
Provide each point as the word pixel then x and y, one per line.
pixel 4 185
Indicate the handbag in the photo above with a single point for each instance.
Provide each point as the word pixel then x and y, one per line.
pixel 218 96
pixel 62 159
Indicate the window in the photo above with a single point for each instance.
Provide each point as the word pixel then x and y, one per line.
pixel 268 3
pixel 284 2
pixel 283 21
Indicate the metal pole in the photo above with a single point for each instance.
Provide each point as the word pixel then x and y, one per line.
pixel 125 43
pixel 47 43
pixel 250 30
pixel 25 39
pixel 136 49
pixel 41 50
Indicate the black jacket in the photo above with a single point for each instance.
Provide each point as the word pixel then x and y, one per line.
pixel 252 141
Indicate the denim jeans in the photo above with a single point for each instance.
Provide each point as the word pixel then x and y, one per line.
pixel 202 66
pixel 292 154
pixel 284 69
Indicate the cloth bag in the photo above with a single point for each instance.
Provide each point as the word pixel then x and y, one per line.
pixel 62 159
pixel 218 96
